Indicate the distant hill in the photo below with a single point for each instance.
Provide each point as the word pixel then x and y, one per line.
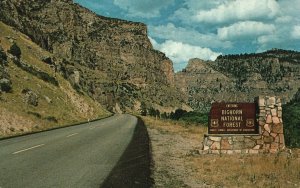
pixel 32 96
pixel 240 78
pixel 110 60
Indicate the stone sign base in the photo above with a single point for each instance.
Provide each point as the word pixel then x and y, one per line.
pixel 269 140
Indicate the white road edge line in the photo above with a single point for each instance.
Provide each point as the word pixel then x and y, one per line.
pixel 72 135
pixel 28 149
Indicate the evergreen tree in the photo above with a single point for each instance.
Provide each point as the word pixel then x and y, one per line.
pixel 178 114
pixel 152 112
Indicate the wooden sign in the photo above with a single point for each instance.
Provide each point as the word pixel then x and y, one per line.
pixel 233 118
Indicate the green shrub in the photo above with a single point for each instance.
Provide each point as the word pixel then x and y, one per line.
pixel 178 114
pixel 190 117
pixel 291 123
pixel 46 77
pixel 35 114
pixel 15 50
pixel 143 109
pixel 5 85
pixel 51 118
pixel 195 117
pixel 3 56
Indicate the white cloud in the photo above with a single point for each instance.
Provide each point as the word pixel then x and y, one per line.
pixel 266 39
pixel 190 36
pixel 245 29
pixel 295 33
pixel 269 22
pixel 180 52
pixel 196 4
pixel 239 10
pixel 219 25
pixel 143 9
pixel 283 19
pixel 286 28
pixel 290 8
pixel 191 7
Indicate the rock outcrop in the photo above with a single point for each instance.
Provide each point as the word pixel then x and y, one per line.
pixel 110 59
pixel 30 97
pixel 240 78
pixel 5 82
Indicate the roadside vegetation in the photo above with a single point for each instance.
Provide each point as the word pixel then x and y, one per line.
pixel 291 119
pixel 291 122
pixel 193 117
pixel 178 162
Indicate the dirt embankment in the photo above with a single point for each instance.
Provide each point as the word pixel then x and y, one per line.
pixel 177 162
pixel 11 123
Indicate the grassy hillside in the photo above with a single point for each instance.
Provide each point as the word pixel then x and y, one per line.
pixel 58 104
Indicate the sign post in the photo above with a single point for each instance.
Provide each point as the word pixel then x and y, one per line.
pixel 233 118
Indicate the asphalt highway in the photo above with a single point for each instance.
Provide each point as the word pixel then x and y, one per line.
pixel 77 156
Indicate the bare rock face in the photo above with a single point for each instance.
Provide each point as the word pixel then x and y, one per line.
pixel 240 78
pixel 110 59
pixel 167 67
pixel 202 84
pixel 5 82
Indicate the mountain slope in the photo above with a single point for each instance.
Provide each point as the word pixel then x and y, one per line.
pixel 113 59
pixel 37 102
pixel 240 78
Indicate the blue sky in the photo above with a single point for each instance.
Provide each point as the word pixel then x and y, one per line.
pixel 185 29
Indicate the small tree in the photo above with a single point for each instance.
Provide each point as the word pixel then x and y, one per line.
pixel 164 115
pixel 152 112
pixel 15 50
pixel 143 109
pixel 172 115
pixel 178 114
pixel 157 113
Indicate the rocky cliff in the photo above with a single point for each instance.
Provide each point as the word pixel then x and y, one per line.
pixel 110 59
pixel 240 78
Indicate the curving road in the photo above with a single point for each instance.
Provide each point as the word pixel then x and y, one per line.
pixel 77 156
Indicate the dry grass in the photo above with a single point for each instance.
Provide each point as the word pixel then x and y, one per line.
pixel 178 164
pixel 191 130
pixel 264 170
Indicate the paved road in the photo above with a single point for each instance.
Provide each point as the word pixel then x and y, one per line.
pixel 78 156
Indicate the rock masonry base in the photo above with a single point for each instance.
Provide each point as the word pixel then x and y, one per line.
pixel 269 140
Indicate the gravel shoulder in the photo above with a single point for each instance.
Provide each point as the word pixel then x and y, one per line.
pixel 172 148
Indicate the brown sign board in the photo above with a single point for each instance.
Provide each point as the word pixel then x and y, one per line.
pixel 233 118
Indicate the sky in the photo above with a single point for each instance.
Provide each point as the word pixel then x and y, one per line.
pixel 205 29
